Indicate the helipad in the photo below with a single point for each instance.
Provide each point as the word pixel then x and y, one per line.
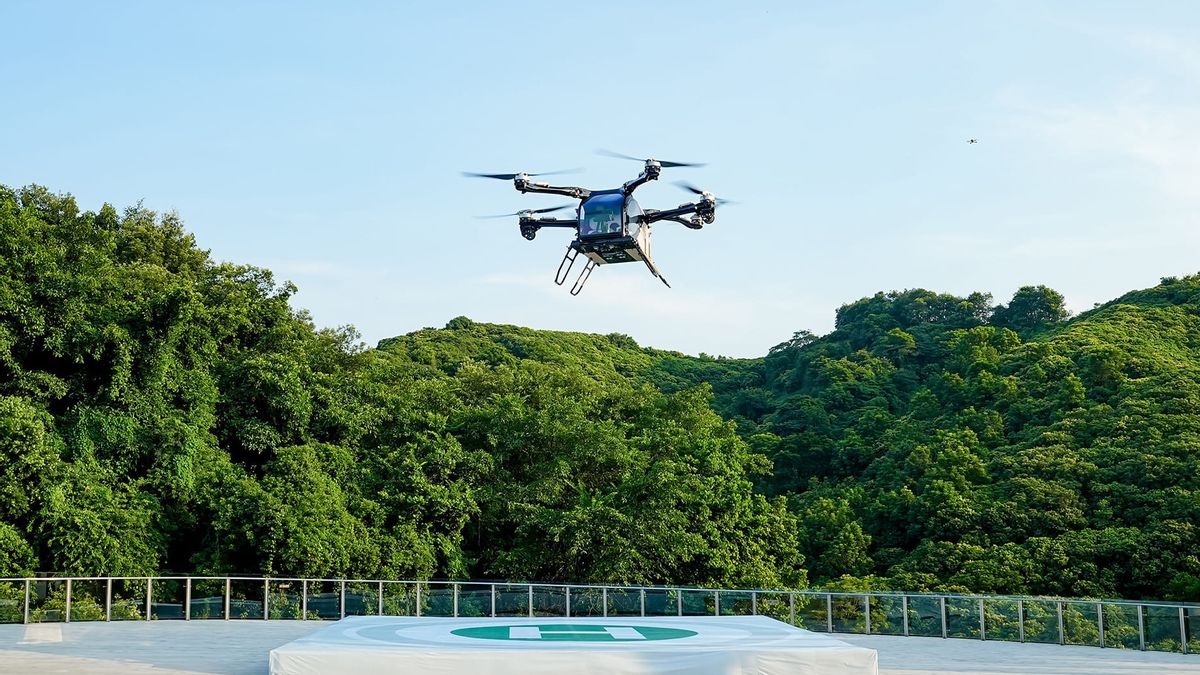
pixel 716 645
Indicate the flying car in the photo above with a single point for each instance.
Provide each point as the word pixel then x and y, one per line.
pixel 610 226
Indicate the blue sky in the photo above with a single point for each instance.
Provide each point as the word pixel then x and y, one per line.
pixel 325 141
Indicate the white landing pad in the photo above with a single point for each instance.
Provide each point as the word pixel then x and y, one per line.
pixel 716 645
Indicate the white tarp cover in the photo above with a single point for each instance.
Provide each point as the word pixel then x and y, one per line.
pixel 707 645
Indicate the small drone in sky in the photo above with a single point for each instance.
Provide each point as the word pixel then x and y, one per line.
pixel 610 226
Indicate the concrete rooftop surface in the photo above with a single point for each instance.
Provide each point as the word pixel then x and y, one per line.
pixel 241 647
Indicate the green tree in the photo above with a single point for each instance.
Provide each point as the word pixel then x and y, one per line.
pixel 1032 308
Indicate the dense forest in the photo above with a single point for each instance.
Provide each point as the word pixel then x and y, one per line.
pixel 163 411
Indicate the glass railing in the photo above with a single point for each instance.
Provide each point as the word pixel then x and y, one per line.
pixel 1119 624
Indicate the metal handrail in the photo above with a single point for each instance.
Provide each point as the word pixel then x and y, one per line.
pixel 816 591
pixel 970 613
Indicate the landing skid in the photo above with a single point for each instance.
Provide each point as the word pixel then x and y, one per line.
pixel 564 269
pixel 568 262
pixel 583 277
pixel 654 271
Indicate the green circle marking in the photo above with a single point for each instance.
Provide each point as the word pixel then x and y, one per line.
pixel 573 632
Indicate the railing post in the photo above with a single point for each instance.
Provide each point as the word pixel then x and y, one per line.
pixel 1021 619
pixel 1062 637
pixel 187 599
pixel 829 612
pixel 904 611
pixel 679 601
pixel 568 589
pixel 228 593
pixel 303 599
pixel 342 599
pixel 642 600
pixel 455 586
pixel 717 603
pixel 792 608
pixel 27 584
pixel 266 598
pixel 149 595
pixel 1100 622
pixel 867 612
pixel 108 600
pixel 531 601
pixel 942 607
pixel 67 618
pixel 982 622
pixel 1141 630
pixel 754 603
pixel 1183 636
pixel 604 600
pixel 493 601
pixel 418 608
pixel 379 600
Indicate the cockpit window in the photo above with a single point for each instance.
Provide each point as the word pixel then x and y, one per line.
pixel 633 215
pixel 601 215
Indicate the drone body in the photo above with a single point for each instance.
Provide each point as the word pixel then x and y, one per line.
pixel 610 227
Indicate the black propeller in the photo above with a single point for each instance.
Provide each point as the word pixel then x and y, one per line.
pixel 522 211
pixel 510 176
pixel 695 190
pixel 662 162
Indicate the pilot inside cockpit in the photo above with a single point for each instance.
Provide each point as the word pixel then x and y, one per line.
pixel 601 215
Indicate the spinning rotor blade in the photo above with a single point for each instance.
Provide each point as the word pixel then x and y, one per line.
pixel 510 176
pixel 531 211
pixel 695 190
pixel 610 153
pixel 662 162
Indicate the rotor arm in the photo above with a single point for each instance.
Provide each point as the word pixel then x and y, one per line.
pixel 685 222
pixel 651 172
pixel 653 216
pixel 523 185
pixel 703 212
pixel 530 226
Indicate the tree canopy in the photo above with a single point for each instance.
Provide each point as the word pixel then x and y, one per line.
pixel 162 411
pixel 933 442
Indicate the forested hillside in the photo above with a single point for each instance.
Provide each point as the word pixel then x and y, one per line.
pixel 161 411
pixel 940 442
